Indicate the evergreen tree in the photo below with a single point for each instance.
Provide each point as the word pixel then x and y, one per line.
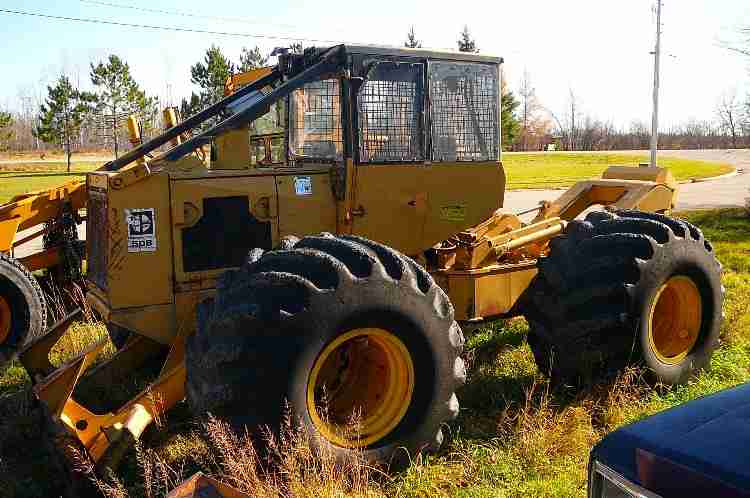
pixel 6 133
pixel 117 96
pixel 62 115
pixel 466 43
pixel 251 59
pixel 509 122
pixel 411 39
pixel 211 75
pixel 191 106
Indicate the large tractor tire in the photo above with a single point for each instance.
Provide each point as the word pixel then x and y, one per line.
pixel 341 329
pixel 623 287
pixel 23 310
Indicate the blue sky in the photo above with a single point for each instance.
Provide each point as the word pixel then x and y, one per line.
pixel 599 49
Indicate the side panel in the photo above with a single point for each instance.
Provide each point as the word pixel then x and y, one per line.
pixel 306 204
pixel 487 292
pixel 217 221
pixel 139 244
pixel 390 205
pixel 459 195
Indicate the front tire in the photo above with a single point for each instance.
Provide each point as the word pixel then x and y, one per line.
pixel 23 309
pixel 337 327
pixel 622 287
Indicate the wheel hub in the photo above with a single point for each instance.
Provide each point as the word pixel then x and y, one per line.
pixel 360 387
pixel 5 319
pixel 675 319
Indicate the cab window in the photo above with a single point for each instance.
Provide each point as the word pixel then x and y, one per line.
pixel 389 113
pixel 464 101
pixel 315 122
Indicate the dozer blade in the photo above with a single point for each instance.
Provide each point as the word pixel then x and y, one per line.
pixel 201 486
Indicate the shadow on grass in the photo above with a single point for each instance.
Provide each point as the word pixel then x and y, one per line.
pixel 722 225
pixel 502 380
pixel 26 462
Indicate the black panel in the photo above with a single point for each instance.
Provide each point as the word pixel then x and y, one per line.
pixel 97 233
pixel 224 235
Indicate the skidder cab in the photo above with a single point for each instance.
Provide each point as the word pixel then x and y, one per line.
pixel 333 278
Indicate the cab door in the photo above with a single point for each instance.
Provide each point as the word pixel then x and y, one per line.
pixel 390 201
pixel 390 205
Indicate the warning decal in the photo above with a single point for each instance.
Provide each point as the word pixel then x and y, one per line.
pixel 303 185
pixel 453 213
pixel 141 229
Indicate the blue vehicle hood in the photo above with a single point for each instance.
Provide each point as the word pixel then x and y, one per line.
pixel 710 436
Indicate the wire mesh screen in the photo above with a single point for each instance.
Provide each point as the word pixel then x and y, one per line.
pixel 390 111
pixel 464 110
pixel 315 121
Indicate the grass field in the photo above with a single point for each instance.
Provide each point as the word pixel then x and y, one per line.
pixel 562 169
pixel 516 435
pixel 522 170
pixel 19 178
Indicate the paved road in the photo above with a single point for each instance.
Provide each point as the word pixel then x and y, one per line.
pixel 723 192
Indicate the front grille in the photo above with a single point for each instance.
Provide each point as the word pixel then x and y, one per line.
pixel 97 231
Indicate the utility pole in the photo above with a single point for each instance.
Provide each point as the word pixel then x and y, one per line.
pixel 655 113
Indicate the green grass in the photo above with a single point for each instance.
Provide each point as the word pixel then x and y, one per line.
pixel 515 436
pixel 563 169
pixel 20 178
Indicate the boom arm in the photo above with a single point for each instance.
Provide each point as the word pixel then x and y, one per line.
pixel 28 210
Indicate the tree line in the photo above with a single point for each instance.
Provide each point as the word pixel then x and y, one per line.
pixel 72 119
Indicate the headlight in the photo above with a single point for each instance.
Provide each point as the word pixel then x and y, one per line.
pixel 606 483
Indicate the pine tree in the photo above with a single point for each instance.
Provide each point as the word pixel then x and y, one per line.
pixel 411 39
pixel 117 96
pixel 466 43
pixel 509 122
pixel 251 59
pixel 191 106
pixel 6 133
pixel 62 115
pixel 211 75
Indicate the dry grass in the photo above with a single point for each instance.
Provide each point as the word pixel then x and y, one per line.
pixel 289 466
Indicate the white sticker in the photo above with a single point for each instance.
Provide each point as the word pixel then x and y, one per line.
pixel 303 185
pixel 141 229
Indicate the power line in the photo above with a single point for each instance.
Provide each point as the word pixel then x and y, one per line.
pixel 182 14
pixel 163 28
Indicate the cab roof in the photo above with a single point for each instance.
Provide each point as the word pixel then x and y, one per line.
pixel 421 53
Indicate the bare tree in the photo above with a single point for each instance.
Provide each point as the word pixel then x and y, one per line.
pixel 728 110
pixel 572 132
pixel 529 107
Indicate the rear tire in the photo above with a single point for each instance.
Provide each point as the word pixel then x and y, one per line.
pixel 623 287
pixel 280 323
pixel 23 309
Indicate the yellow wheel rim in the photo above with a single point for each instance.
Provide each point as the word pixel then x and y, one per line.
pixel 4 319
pixel 360 387
pixel 675 319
